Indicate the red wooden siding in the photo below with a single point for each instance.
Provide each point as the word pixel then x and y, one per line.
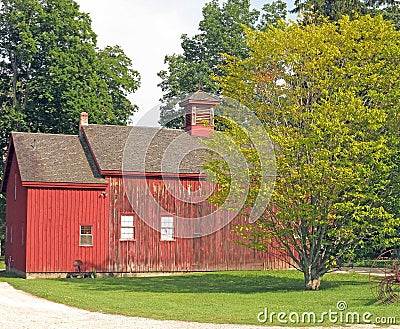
pixel 49 219
pixel 15 218
pixel 53 230
pixel 215 251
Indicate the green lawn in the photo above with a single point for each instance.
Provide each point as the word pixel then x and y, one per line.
pixel 219 297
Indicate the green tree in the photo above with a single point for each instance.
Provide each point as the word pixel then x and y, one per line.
pixel 328 96
pixel 335 9
pixel 51 70
pixel 312 11
pixel 272 13
pixel 221 31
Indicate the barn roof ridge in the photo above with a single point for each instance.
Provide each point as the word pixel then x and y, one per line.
pixel 39 133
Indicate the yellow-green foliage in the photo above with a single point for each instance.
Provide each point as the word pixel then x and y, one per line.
pixel 328 95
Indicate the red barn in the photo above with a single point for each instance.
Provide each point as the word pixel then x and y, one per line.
pixel 122 199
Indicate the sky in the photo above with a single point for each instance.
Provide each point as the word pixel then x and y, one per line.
pixel 147 31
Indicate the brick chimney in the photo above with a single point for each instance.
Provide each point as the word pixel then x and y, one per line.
pixel 199 113
pixel 83 120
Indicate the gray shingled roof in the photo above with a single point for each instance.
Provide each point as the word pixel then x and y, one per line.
pixel 54 159
pixel 57 158
pixel 201 96
pixel 145 149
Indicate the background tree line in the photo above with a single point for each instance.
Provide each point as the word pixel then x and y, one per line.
pixel 221 31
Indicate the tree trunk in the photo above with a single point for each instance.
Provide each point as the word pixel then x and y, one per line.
pixel 312 279
pixel 313 284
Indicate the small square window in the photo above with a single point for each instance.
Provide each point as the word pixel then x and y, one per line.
pixel 167 228
pixel 127 227
pixel 86 237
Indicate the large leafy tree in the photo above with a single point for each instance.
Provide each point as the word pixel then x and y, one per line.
pixel 312 11
pixel 51 70
pixel 335 9
pixel 328 96
pixel 221 31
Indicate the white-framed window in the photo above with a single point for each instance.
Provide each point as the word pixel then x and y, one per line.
pixel 85 236
pixel 167 228
pixel 127 227
pixel 11 234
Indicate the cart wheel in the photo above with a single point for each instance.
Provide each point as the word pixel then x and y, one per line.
pixel 384 277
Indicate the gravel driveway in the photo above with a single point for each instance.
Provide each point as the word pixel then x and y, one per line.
pixel 21 310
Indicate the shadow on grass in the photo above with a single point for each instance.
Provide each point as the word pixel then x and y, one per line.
pixel 206 283
pixel 4 274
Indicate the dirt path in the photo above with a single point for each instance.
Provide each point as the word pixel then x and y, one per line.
pixel 20 310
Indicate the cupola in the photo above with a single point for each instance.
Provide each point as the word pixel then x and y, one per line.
pixel 199 113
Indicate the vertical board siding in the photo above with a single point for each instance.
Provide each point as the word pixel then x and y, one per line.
pixel 54 216
pixel 16 219
pixel 216 251
pixel 53 229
